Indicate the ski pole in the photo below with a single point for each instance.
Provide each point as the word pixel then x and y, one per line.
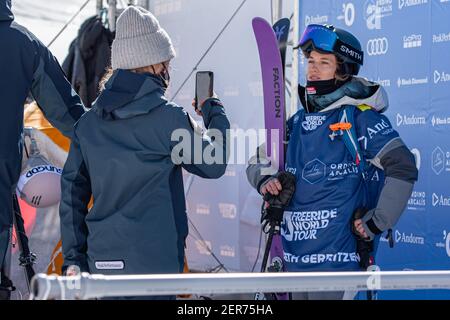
pixel 27 258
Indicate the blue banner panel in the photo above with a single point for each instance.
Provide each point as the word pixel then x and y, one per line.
pixel 407 49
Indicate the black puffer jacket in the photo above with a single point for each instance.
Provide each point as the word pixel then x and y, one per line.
pixel 89 57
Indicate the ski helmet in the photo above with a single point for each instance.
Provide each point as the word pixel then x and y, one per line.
pixel 39 184
pixel 328 39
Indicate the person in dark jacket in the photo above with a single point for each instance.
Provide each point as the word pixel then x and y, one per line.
pixel 26 65
pixel 320 230
pixel 89 56
pixel 126 152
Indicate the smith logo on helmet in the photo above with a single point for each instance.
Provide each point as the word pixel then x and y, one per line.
pixel 351 53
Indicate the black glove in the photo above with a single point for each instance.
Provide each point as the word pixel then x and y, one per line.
pixel 364 247
pixel 277 203
pixel 359 213
pixel 287 181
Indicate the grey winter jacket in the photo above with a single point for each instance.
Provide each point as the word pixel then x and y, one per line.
pixel 122 155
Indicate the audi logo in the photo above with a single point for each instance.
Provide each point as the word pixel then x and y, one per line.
pixel 376 47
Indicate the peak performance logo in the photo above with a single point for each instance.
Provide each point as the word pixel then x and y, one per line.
pixel 441 37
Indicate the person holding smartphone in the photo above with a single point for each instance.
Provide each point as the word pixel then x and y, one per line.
pixel 126 153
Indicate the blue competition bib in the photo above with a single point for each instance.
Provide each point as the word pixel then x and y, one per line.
pixel 316 228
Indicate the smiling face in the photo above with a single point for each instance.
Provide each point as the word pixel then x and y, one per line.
pixel 321 66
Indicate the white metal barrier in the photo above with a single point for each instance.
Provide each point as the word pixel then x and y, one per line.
pixel 88 286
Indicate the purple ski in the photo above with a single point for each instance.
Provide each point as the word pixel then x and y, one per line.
pixel 273 88
pixel 274 116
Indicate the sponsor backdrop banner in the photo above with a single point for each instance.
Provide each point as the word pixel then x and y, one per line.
pixel 406 45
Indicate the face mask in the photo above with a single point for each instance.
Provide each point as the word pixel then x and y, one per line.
pixel 322 87
pixel 164 76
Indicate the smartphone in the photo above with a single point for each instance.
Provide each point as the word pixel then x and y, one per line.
pixel 204 87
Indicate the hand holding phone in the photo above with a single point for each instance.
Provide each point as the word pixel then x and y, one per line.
pixel 204 88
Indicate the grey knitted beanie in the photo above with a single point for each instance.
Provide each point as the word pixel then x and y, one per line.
pixel 140 41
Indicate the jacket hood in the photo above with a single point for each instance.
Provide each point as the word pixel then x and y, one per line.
pixel 356 92
pixel 128 94
pixel 5 11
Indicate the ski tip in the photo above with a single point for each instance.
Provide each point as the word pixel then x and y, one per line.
pixel 283 21
pixel 259 21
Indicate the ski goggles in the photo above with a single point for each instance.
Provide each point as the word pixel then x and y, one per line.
pixel 324 38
